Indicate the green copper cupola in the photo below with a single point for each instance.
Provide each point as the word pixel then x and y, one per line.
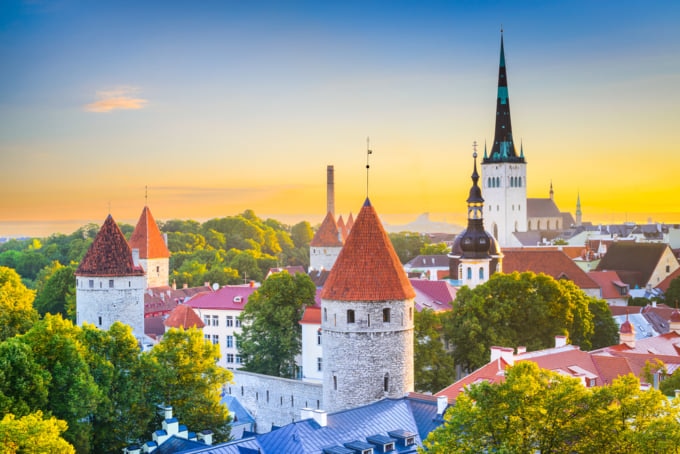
pixel 503 149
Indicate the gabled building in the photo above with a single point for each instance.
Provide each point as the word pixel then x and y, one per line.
pixel 551 261
pixel 110 282
pixel 154 255
pixel 613 290
pixel 433 267
pixel 640 265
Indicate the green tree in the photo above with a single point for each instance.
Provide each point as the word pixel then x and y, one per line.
pixel 17 314
pixel 187 377
pixel 434 368
pixel 434 249
pixel 23 382
pixel 272 336
pixel 605 329
pixel 407 245
pixel 33 434
pixel 302 234
pixel 73 394
pixel 672 295
pixel 127 407
pixel 56 290
pixel 536 410
pixel 670 383
pixel 514 310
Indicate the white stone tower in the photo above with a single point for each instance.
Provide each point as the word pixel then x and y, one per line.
pixel 504 173
pixel 367 320
pixel 326 245
pixel 154 255
pixel 110 283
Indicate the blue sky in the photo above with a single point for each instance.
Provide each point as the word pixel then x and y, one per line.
pixel 218 107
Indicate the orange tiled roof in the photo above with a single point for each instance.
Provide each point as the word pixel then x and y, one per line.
pixel 109 254
pixel 367 268
pixel 311 316
pixel 148 238
pixel 663 285
pixel 183 316
pixel 550 261
pixel 328 234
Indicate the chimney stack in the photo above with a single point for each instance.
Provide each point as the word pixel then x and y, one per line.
pixel 330 190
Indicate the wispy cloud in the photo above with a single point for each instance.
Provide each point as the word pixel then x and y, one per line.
pixel 125 98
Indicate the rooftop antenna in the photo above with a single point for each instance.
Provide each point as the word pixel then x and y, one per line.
pixel 368 153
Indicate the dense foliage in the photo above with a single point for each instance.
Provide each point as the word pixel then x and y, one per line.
pixel 536 410
pixel 524 309
pixel 272 336
pixel 433 365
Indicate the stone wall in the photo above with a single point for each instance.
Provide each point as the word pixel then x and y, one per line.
pixel 273 400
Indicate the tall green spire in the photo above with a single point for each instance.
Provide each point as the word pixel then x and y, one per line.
pixel 503 148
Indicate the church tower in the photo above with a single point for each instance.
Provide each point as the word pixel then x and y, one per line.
pixel 110 282
pixel 475 253
pixel 504 172
pixel 154 255
pixel 367 306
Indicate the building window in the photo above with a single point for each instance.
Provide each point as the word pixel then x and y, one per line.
pixel 369 320
pixel 318 337
pixel 469 273
pixel 267 395
pixel 215 320
pixel 235 342
pixel 110 283
pixel 215 339
pixel 230 341
pixel 100 284
pixel 206 337
pixel 386 315
pixel 237 359
pixel 230 321
pixel 410 313
pixel 325 315
pixel 318 364
pixel 206 320
pixel 335 319
pixel 335 382
pixel 350 316
pixel 386 383
pixel 100 321
pixel 237 322
pixel 158 269
pixel 230 358
pixel 481 273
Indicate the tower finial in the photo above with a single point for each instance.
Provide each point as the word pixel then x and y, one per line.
pixel 146 195
pixel 368 153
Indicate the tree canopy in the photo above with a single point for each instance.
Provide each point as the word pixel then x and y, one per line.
pixel 433 365
pixel 536 410
pixel 271 334
pixel 520 309
pixel 33 433
pixel 17 314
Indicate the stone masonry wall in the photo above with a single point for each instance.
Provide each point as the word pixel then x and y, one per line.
pixel 273 400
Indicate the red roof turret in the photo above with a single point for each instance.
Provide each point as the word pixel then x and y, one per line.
pixel 328 234
pixel 109 254
pixel 367 268
pixel 148 238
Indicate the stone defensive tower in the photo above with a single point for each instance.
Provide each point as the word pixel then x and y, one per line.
pixel 154 255
pixel 367 306
pixel 110 283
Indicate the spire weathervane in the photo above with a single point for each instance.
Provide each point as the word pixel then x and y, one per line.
pixel 368 153
pixel 146 195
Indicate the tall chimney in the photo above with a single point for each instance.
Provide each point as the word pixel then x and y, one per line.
pixel 330 191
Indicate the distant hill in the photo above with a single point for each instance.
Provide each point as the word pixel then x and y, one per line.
pixel 423 224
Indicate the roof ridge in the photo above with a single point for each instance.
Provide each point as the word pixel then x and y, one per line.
pixel 147 237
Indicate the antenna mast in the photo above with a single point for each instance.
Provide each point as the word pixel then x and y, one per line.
pixel 368 153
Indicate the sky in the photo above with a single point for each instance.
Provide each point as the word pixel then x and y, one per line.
pixel 207 109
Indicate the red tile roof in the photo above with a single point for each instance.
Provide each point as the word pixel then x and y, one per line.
pixel 549 261
pixel 148 238
pixel 635 262
pixel 435 295
pixel 367 268
pixel 328 234
pixel 183 316
pixel 311 316
pixel 610 283
pixel 663 285
pixel 109 254
pixel 229 297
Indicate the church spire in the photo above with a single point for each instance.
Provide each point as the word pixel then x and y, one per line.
pixel 503 149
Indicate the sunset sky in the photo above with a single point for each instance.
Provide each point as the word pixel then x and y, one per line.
pixel 222 106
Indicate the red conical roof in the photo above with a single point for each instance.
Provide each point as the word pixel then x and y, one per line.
pixel 367 268
pixel 148 238
pixel 183 316
pixel 328 234
pixel 109 254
